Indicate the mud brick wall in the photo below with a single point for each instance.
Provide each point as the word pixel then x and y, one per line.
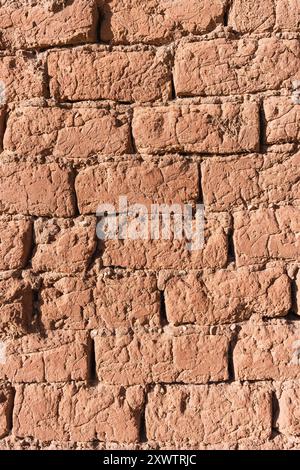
pixel 140 344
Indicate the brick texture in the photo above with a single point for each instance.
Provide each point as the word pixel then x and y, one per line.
pixel 242 67
pixel 32 24
pixel 121 300
pixel 168 180
pixel 22 77
pixel 16 306
pixel 195 415
pixel 45 189
pixel 282 117
pixel 209 128
pixel 154 21
pixel 15 242
pixel 271 15
pixel 70 133
pixel 227 296
pixel 63 245
pixel 173 253
pixel 288 418
pixel 267 234
pixel 59 357
pixel 250 181
pixel 2 120
pixel 149 225
pixel 6 404
pixel 35 415
pixel 123 75
pixel 267 352
pixel 151 358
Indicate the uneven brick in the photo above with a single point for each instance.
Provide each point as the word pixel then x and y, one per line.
pixel 22 77
pixel 71 133
pixel 288 420
pixel 227 296
pixel 268 352
pixel 15 242
pixel 160 357
pixel 260 17
pixel 30 24
pixel 111 301
pixel 278 442
pixel 57 357
pixel 298 293
pixel 169 180
pixel 267 234
pixel 64 245
pixel 282 116
pixel 253 16
pixel 15 306
pixel 119 74
pixel 156 21
pixel 172 253
pixel 78 413
pixel 224 67
pixel 2 120
pixel 197 415
pixel 288 15
pixel 43 189
pixel 6 405
pixel 207 128
pixel 250 181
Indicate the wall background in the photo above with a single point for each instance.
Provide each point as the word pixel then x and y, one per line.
pixel 141 344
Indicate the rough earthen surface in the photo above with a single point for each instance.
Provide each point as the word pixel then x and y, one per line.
pixel 152 341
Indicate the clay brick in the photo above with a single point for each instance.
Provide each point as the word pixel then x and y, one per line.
pixel 206 128
pixel 268 352
pixel 224 67
pixel 227 296
pixel 267 234
pixel 282 116
pixel 15 242
pixel 6 405
pixel 22 77
pixel 253 16
pixel 111 301
pixel 287 15
pixel 142 358
pixel 250 181
pixel 154 21
pixel 15 306
pixel 32 24
pixel 44 189
pixel 298 293
pixel 2 121
pixel 57 357
pixel 64 245
pixel 288 421
pixel 169 180
pixel 260 17
pixel 170 254
pixel 70 133
pixel 119 74
pixel 198 415
pixel 69 412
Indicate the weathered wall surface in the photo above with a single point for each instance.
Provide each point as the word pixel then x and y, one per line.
pixel 139 343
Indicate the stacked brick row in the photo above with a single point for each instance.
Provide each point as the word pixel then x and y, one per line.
pixel 141 343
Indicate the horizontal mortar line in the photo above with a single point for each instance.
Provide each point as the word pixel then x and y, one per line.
pixel 204 36
pixel 258 267
pixel 150 385
pixel 95 384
